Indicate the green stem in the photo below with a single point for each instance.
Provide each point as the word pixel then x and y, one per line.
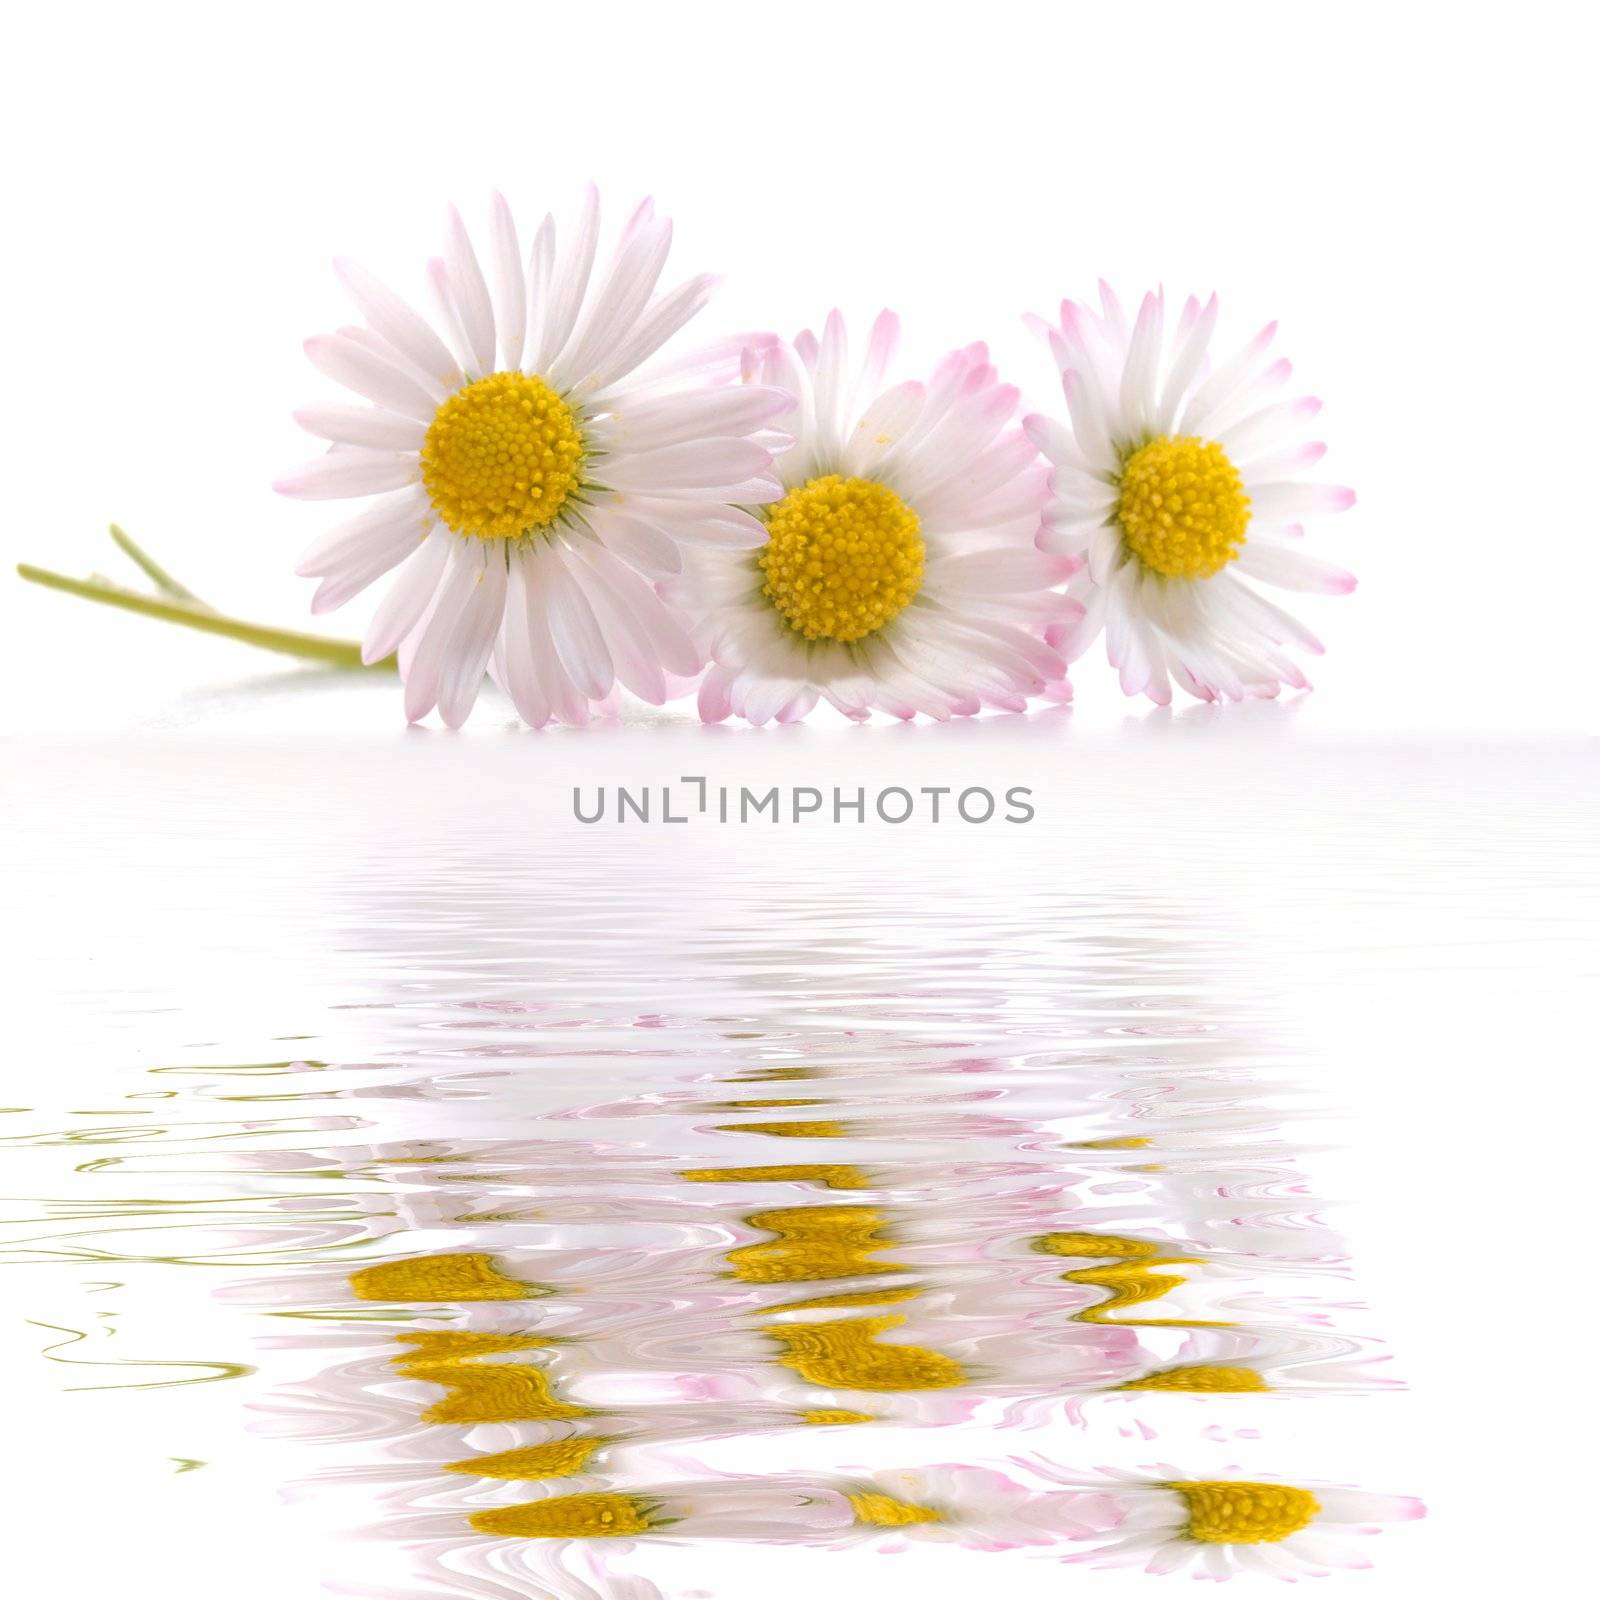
pixel 195 614
pixel 158 575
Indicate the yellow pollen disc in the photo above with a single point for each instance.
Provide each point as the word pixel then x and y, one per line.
pixel 787 1130
pixel 570 1516
pixel 471 1276
pixel 1202 1380
pixel 857 1297
pixel 498 1393
pixel 1245 1513
pixel 834 1419
pixel 813 1242
pixel 843 557
pixel 449 1347
pixel 846 1355
pixel 1128 1142
pixel 760 1105
pixel 830 1177
pixel 1183 510
pixel 1093 1245
pixel 501 456
pixel 560 1458
pixel 884 1511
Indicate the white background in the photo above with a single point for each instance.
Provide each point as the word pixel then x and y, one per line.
pixel 1408 189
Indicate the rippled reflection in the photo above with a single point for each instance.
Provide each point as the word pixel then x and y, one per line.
pixel 542 1215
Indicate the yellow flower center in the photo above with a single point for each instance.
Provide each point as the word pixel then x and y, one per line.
pixel 843 557
pixel 1183 509
pixel 827 1418
pixel 830 1177
pixel 449 1347
pixel 469 1276
pixel 884 1511
pixel 1094 1245
pixel 570 1516
pixel 559 1458
pixel 857 1297
pixel 1245 1513
pixel 767 1105
pixel 813 1242
pixel 501 456
pixel 786 1130
pixel 847 1355
pixel 495 1391
pixel 1200 1379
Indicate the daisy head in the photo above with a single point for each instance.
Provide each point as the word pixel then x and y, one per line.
pixel 1180 485
pixel 897 569
pixel 1224 1526
pixel 527 483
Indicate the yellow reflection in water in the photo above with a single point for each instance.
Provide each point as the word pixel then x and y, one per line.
pixel 558 1458
pixel 1228 1511
pixel 572 1516
pixel 767 1105
pixel 884 1511
pixel 480 1390
pixel 788 1130
pixel 830 1176
pixel 449 1346
pixel 814 1242
pixel 856 1297
pixel 469 1276
pixel 846 1355
pixel 1202 1379
pixel 1128 1279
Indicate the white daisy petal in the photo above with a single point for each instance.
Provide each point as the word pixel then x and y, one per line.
pixel 540 272
pixel 705 463
pixel 345 474
pixel 616 306
pixel 426 668
pixel 1289 502
pixel 652 330
pixel 682 418
pixel 1270 428
pixel 389 316
pixel 885 423
pixel 641 544
pixel 368 426
pixel 580 645
pixel 469 293
pixel 570 282
pixel 1284 568
pixel 345 361
pixel 521 669
pixel 404 512
pixel 1139 369
pixel 510 284
pixel 406 599
pixel 467 653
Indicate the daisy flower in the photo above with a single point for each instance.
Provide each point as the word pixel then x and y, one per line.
pixel 1225 1526
pixel 527 485
pixel 1181 489
pixel 897 570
